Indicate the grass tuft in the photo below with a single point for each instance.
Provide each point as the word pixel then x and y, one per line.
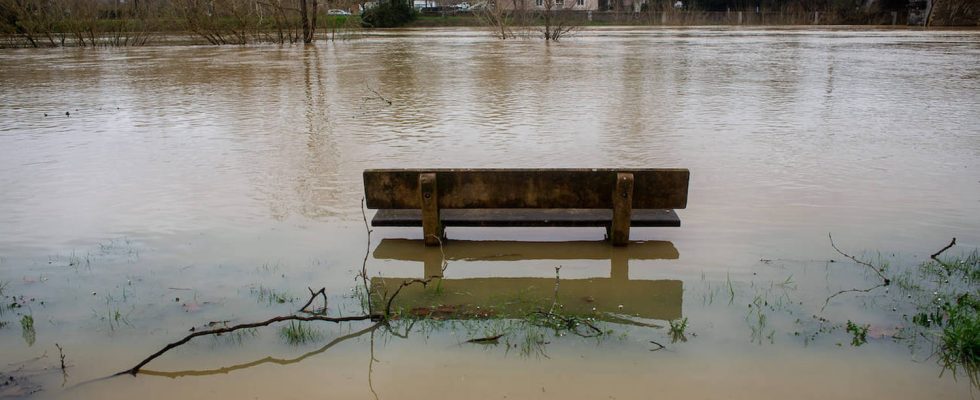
pixel 297 333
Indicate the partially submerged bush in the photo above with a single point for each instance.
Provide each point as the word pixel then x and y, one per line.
pixel 389 14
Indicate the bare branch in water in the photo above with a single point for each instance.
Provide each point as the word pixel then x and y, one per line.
pixel 367 252
pixel 313 295
pixel 865 263
pixel 378 94
pixel 270 321
pixel 951 244
pixel 884 279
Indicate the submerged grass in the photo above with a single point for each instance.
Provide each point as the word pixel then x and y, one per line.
pixel 271 296
pixel 677 330
pixel 945 296
pixel 27 329
pixel 297 333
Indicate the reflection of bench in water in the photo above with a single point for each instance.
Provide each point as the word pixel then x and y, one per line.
pixel 656 299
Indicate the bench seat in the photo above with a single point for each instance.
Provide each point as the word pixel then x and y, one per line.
pixel 506 217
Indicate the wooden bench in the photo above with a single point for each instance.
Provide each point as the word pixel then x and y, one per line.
pixel 612 198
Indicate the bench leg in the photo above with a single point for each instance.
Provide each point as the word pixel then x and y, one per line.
pixel 619 231
pixel 432 230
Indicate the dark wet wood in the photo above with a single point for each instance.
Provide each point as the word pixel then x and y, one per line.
pixel 527 218
pixel 428 195
pixel 525 188
pixel 622 199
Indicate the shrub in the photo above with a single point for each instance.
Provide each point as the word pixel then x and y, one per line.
pixel 389 14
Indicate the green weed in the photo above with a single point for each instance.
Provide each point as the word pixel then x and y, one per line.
pixel 677 330
pixel 271 296
pixel 859 333
pixel 297 333
pixel 27 329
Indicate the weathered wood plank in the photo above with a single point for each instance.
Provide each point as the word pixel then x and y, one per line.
pixel 527 218
pixel 428 195
pixel 526 188
pixel 622 198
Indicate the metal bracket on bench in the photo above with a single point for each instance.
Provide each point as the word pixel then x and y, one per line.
pixel 619 231
pixel 432 229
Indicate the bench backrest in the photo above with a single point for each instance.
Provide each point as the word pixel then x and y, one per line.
pixel 525 188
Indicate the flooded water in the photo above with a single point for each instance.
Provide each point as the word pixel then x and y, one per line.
pixel 146 191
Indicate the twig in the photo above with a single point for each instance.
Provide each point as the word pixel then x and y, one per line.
pixel 658 344
pixel 424 283
pixel 486 340
pixel 571 323
pixel 367 252
pixel 313 295
pixel 270 321
pixel 865 263
pixel 444 264
pixel 554 301
pixel 61 354
pixel 378 94
pixel 885 280
pixel 951 244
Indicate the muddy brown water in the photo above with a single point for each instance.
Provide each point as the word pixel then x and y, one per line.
pixel 198 184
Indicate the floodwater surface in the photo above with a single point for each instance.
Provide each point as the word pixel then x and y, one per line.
pixel 148 191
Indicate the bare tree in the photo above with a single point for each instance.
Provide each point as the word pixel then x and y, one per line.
pixel 308 17
pixel 557 19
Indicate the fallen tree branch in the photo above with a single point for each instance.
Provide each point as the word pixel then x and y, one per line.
pixel 865 263
pixel 266 360
pixel 270 321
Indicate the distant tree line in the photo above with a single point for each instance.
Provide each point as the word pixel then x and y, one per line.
pixel 47 23
pixel 38 23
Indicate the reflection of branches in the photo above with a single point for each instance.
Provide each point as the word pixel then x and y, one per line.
pixel 571 324
pixel 367 251
pixel 885 280
pixel 371 369
pixel 267 360
pixel 865 263
pixel 850 291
